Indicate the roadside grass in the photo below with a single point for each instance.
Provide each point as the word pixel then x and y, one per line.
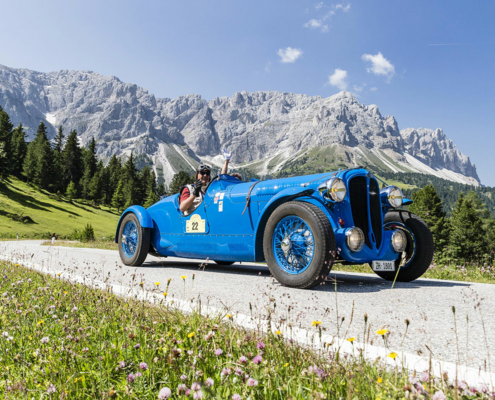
pixel 471 272
pixel 36 214
pixel 63 340
pixel 93 244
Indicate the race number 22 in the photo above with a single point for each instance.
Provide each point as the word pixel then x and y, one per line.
pixel 195 224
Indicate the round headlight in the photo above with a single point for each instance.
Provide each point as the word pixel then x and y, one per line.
pixel 399 241
pixel 337 189
pixel 395 197
pixel 355 239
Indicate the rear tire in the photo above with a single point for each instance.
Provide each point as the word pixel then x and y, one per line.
pixel 419 249
pixel 303 257
pixel 134 241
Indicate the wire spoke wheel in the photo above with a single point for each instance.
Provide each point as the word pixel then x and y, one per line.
pixel 134 241
pixel 293 244
pixel 130 239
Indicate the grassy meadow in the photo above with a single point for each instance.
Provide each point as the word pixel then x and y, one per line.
pixel 63 340
pixel 44 213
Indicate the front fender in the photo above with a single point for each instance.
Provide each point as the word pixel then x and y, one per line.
pixel 142 215
pixel 281 197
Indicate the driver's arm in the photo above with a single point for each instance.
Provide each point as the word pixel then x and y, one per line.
pixel 225 167
pixel 185 204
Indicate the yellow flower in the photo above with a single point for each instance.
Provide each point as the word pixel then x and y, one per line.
pixel 60 273
pixel 316 323
pixel 379 380
pixel 40 322
pixel 382 332
pixel 141 284
pixel 157 283
pixel 286 364
pixel 351 339
pixel 165 294
pixel 183 277
pixel 190 335
pixel 229 316
pixel 392 355
pixel 278 333
pixel 17 265
pixel 66 292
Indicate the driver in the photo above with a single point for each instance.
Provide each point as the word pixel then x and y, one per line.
pixel 192 195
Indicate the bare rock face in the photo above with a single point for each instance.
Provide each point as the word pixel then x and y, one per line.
pixel 260 127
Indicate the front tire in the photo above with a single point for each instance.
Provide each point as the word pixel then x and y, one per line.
pixel 134 241
pixel 299 245
pixel 419 248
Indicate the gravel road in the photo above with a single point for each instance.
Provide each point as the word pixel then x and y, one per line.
pixel 426 303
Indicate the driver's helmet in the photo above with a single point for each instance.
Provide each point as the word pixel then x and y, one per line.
pixel 203 168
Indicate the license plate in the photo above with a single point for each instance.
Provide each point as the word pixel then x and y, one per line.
pixel 383 265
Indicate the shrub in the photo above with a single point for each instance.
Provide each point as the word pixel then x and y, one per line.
pixel 86 235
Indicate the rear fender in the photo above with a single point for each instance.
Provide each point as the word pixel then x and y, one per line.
pixel 280 198
pixel 142 215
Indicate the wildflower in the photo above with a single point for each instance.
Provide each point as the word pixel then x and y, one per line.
pixel 74 309
pixel 190 352
pixel 183 277
pixel 143 366
pixel 85 350
pixel 51 389
pixel 243 360
pixel 252 382
pixel 183 377
pixel 44 340
pixel 225 372
pixel 66 292
pixel 316 323
pixel 229 316
pixel 260 345
pixel 157 283
pixel 190 335
pixel 137 346
pixel 351 339
pixel 218 352
pixel 122 364
pixel 379 380
pixel 439 395
pixel 392 355
pixel 425 376
pixel 286 364
pixel 181 388
pixel 188 392
pixel 382 332
pixel 60 273
pixel 238 371
pixel 164 393
pixel 257 359
pixel 5 334
pixel 165 294
pixel 195 386
pixel 209 335
pixel 278 332
pixel 209 382
pixel 198 395
pixel 236 397
pixel 131 377
pixel 138 374
pixel 41 322
pixel 234 380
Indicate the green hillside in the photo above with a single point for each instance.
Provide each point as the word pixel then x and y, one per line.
pixel 44 213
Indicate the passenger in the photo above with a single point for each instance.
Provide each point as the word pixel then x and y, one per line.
pixel 192 195
pixel 227 156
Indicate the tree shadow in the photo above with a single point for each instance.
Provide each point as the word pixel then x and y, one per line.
pixel 345 282
pixel 29 201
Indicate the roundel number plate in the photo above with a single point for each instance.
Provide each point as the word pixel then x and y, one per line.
pixel 195 224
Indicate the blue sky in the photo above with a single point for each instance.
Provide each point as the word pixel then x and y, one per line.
pixel 429 63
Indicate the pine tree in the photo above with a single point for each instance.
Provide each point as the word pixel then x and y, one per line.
pixel 144 182
pixel 467 236
pixel 19 149
pixel 90 162
pixel 5 143
pixel 118 197
pixel 161 190
pixel 180 179
pixel 428 206
pixel 58 159
pixel 39 162
pixel 114 174
pixel 95 188
pixel 71 192
pixel 72 160
pixel 151 199
pixel 485 216
pixel 129 176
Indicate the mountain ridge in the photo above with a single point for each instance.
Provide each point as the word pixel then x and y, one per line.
pixel 265 130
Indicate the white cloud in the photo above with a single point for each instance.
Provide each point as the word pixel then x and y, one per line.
pixel 319 5
pixel 379 65
pixel 358 88
pixel 342 7
pixel 289 55
pixel 316 24
pixel 338 79
pixel 373 89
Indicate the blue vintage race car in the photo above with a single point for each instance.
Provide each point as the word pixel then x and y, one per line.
pixel 300 226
